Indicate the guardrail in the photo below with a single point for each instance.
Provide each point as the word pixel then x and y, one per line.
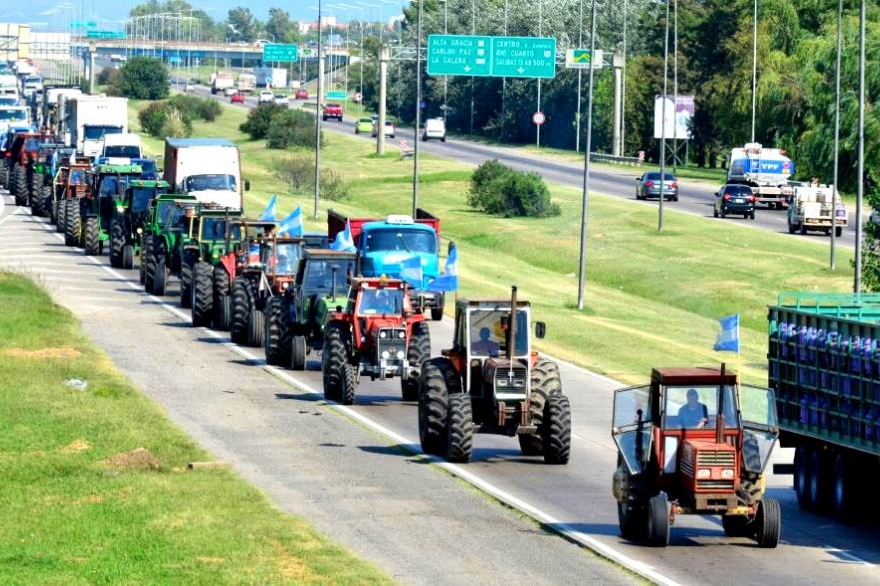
pixel 605 158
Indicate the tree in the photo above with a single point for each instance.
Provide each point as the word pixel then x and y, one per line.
pixel 280 28
pixel 241 24
pixel 143 78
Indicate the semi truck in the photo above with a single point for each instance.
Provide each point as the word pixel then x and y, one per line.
pixel 221 81
pixel 89 118
pixel 824 367
pixel 765 170
pixel 207 168
pixel 270 77
pixel 399 247
pixel 49 106
pixel 247 83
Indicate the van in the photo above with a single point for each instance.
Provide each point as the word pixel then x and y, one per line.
pixel 121 145
pixel 435 128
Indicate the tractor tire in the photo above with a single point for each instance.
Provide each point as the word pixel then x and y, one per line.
pixel 72 223
pixel 545 381
pixel 19 186
pixel 128 256
pixel 802 477
pixel 53 212
pixel 159 270
pixel 3 167
pixel 557 429
pixel 459 428
pixel 143 262
pixel 92 236
pixel 738 525
pixel 242 300
pixel 276 338
pixel 768 520
pixel 334 364
pixel 190 258
pixel 438 381
pixel 222 300
pixel 37 201
pixel 46 201
pixel 60 206
pixel 202 298
pixel 117 242
pixel 256 326
pixel 419 350
pixel 298 351
pixel 437 312
pixel 658 521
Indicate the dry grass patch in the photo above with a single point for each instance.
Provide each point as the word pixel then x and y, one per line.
pixel 44 354
pixel 137 459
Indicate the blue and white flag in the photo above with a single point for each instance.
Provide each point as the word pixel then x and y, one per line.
pixel 448 281
pixel 268 214
pixel 292 225
pixel 411 271
pixel 728 339
pixel 344 241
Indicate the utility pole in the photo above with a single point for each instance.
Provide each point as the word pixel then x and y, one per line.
pixel 318 115
pixel 415 205
pixel 383 81
pixel 585 196
pixel 663 101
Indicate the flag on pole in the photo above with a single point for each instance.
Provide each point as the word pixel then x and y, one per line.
pixel 728 339
pixel 268 214
pixel 344 241
pixel 292 225
pixel 448 281
pixel 411 270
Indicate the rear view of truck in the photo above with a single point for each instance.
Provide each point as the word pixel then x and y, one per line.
pixel 765 170
pixel 824 366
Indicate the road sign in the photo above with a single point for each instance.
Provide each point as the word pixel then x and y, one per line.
pixel 336 95
pixel 530 57
pixel 358 97
pixel 538 118
pixel 280 53
pixel 581 59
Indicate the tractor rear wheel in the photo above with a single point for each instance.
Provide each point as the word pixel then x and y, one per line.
pixel 146 243
pixel 60 216
pixel 557 429
pixel 438 381
pixel 658 521
pixel 276 339
pixel 241 310
pixel 334 364
pixel 222 300
pixel 117 241
pixel 128 256
pixel 92 236
pixel 202 299
pixel 46 200
pixel 256 325
pixel 298 352
pixel 768 520
pixel 545 380
pixel 459 428
pixel 19 185
pixel 159 271
pixel 72 223
pixel 190 258
pixel 419 350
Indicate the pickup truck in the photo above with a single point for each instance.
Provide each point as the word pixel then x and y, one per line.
pixel 332 110
pixel 812 208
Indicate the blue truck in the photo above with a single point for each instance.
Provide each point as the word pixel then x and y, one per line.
pixel 399 247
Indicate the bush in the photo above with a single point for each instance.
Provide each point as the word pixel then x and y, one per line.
pixel 209 110
pixel 299 172
pixel 192 107
pixel 498 189
pixel 176 124
pixel 292 128
pixel 152 119
pixel 333 186
pixel 143 78
pixel 259 120
pixel 108 76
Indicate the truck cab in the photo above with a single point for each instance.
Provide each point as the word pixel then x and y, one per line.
pixel 121 144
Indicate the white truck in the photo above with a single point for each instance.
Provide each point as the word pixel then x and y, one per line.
pixel 270 77
pixel 13 116
pixel 207 168
pixel 122 144
pixel 812 207
pixel 89 118
pixel 247 83
pixel 765 170
pixel 221 81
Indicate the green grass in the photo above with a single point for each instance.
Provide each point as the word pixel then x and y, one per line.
pixel 650 298
pixel 69 518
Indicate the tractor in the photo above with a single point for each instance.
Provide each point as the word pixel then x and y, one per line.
pixel 108 182
pixel 492 378
pixel 61 157
pixel 170 216
pixel 70 185
pixel 694 442
pixel 131 215
pixel 23 149
pixel 39 177
pixel 378 335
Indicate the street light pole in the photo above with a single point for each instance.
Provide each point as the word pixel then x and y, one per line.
pixel 754 67
pixel 415 205
pixel 585 196
pixel 834 194
pixel 857 283
pixel 663 101
pixel 318 115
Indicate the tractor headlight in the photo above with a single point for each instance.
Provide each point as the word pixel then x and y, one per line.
pixel 385 354
pixel 383 334
pixel 284 286
pixel 519 383
pixel 704 473
pixel 400 355
pixel 401 335
pixel 140 230
pixel 501 383
pixel 727 474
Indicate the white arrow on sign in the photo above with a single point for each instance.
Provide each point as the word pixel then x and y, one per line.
pixel 520 70
pixel 467 67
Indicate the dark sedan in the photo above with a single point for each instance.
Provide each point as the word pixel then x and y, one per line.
pixel 650 186
pixel 735 199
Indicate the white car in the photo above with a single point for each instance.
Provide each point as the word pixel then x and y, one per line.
pixel 389 129
pixel 281 100
pixel 266 97
pixel 435 128
pixel 229 91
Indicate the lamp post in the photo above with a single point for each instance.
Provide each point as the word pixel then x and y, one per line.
pixel 663 116
pixel 585 196
pixel 415 205
pixel 446 77
pixel 754 67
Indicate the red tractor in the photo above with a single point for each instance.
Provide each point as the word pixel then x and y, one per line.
pixel 377 335
pixel 694 441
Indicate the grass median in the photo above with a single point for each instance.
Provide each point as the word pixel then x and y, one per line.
pixel 83 505
pixel 651 297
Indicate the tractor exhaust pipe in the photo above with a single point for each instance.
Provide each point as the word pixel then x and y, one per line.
pixel 719 420
pixel 511 325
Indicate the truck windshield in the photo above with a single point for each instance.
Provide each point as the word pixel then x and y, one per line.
pixel 97 132
pixel 209 183
pixel 123 150
pixel 415 241
pixel 15 115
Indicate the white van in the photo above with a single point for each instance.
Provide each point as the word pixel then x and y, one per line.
pixel 122 145
pixel 435 128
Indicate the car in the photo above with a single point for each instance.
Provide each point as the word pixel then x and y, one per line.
pixel 237 98
pixel 332 110
pixel 435 128
pixel 363 125
pixel 265 97
pixel 229 91
pixel 190 87
pixel 735 199
pixel 389 129
pixel 301 95
pixel 281 100
pixel 649 186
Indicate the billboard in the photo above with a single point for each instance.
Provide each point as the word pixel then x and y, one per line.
pixel 679 111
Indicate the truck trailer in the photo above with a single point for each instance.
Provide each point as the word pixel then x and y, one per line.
pixel 824 367
pixel 207 168
pixel 89 118
pixel 765 170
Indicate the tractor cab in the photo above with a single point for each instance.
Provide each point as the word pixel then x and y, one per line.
pixel 694 441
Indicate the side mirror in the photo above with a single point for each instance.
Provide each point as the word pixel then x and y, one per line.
pixel 540 329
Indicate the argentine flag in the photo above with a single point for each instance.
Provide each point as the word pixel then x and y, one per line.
pixel 268 214
pixel 344 241
pixel 728 339
pixel 411 271
pixel 448 281
pixel 292 225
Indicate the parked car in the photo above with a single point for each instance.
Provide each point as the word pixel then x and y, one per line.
pixel 332 110
pixel 435 128
pixel 281 100
pixel 237 98
pixel 301 95
pixel 649 186
pixel 389 129
pixel 735 199
pixel 265 97
pixel 363 125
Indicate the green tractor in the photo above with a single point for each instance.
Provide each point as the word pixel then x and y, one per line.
pixel 39 176
pixel 131 215
pixel 97 210
pixel 169 215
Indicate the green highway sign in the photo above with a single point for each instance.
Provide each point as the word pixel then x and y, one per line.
pixel 583 59
pixel 530 57
pixel 285 53
pixel 336 95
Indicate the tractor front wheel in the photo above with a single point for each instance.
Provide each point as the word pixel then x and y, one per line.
pixel 19 186
pixel 632 522
pixel 335 368
pixel 459 428
pixel 60 216
pixel 242 300
pixel 202 296
pixel 117 241
pixel 72 222
pixel 255 328
pixel 557 429
pixel 545 381
pixel 128 256
pixel 658 521
pixel 222 301
pixel 419 350
pixel 276 339
pixel 92 236
pixel 438 381
pixel 768 520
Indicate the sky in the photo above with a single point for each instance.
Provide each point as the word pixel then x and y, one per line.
pixel 111 10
